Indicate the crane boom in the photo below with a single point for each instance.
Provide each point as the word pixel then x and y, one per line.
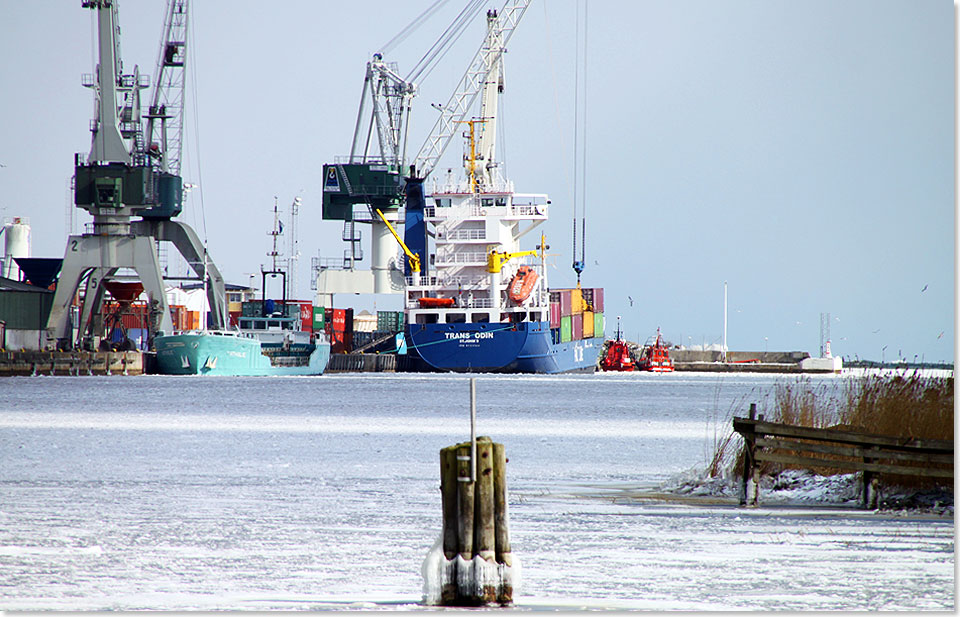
pixel 470 85
pixel 411 256
pixel 165 115
pixel 391 97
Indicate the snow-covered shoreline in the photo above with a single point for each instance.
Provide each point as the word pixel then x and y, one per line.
pixel 793 487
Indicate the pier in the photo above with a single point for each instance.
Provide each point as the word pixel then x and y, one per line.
pixel 29 363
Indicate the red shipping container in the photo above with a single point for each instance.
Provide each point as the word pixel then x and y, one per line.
pixel 339 320
pixel 235 318
pixel 555 314
pixel 135 322
pixel 577 321
pixel 306 317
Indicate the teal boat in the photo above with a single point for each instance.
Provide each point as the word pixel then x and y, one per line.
pixel 246 352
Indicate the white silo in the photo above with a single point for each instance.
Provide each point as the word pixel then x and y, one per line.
pixel 16 243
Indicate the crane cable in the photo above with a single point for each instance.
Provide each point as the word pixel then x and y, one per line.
pixel 411 27
pixel 192 66
pixel 443 44
pixel 561 135
pixel 578 154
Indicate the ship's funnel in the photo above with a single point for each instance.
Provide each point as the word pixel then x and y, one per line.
pixel 39 271
pixel 124 293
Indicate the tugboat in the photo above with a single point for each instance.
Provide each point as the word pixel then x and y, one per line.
pixel 656 358
pixel 617 356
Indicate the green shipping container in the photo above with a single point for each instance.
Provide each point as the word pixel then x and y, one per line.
pixel 566 329
pixel 318 320
pixel 598 324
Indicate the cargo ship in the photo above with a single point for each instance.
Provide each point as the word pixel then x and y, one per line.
pixel 475 300
pixel 487 307
pixel 271 337
pixel 273 343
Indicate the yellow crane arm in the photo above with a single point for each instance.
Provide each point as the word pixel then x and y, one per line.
pixel 495 260
pixel 413 257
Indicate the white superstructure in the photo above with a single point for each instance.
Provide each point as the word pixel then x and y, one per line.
pixel 467 228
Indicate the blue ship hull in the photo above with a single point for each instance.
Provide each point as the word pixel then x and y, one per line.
pixel 526 347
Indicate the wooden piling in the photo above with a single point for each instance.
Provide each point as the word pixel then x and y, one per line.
pixel 500 505
pixel 476 537
pixel 449 493
pixel 465 503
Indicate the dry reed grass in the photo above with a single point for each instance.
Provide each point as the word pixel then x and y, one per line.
pixel 902 405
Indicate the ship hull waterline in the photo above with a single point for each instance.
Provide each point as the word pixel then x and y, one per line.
pixel 236 356
pixel 526 347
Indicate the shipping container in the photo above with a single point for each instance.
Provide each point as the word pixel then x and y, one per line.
pixel 598 299
pixel 251 308
pixel 234 318
pixel 390 321
pixel 555 313
pixel 348 320
pixel 576 301
pixel 306 317
pixel 566 329
pixel 339 320
pixel 588 299
pixel 555 335
pixel 577 326
pixel 566 303
pixel 588 324
pixel 598 325
pixel 319 323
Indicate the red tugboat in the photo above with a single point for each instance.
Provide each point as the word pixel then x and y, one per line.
pixel 618 356
pixel 656 358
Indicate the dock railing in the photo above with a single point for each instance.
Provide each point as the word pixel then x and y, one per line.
pixel 838 448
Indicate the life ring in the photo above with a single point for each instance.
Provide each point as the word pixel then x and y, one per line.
pixel 483 212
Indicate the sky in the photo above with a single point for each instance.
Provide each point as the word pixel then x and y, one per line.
pixel 801 152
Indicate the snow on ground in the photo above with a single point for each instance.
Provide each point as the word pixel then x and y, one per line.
pixel 801 487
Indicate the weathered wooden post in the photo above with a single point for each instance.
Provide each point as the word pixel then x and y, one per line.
pixel 748 462
pixel 475 565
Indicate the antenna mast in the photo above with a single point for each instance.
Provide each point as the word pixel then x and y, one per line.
pixel 294 259
pixel 274 253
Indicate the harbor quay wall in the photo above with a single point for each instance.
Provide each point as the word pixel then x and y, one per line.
pixel 376 363
pixel 764 357
pixel 27 363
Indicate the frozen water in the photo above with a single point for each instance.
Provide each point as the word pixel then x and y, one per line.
pixel 314 493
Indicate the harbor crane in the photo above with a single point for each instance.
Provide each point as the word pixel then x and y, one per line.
pixel 126 176
pixel 384 180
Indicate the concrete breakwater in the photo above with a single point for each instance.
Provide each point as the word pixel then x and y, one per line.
pixel 752 362
pixel 27 363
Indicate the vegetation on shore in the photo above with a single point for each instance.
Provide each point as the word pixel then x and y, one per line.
pixel 901 405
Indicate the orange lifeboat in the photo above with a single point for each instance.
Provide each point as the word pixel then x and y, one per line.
pixel 522 284
pixel 436 302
